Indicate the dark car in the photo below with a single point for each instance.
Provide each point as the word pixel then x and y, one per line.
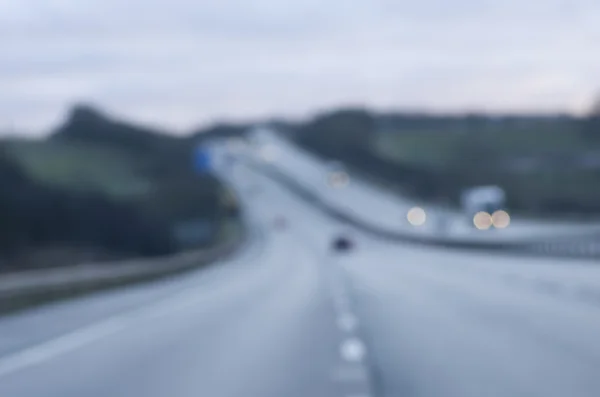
pixel 342 243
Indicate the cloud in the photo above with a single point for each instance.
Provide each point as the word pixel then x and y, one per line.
pixel 181 62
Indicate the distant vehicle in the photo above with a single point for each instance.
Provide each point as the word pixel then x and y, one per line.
pixel 337 176
pixel 259 136
pixel 342 244
pixel 482 199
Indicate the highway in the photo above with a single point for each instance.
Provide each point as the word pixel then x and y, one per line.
pixel 386 210
pixel 286 316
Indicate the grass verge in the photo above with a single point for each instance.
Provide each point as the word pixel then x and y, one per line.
pixel 537 168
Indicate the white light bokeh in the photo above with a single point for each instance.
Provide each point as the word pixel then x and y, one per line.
pixel 482 220
pixel 501 219
pixel 416 216
pixel 338 179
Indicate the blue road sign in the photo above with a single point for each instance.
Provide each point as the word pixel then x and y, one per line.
pixel 202 160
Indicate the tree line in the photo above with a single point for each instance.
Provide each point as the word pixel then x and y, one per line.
pixel 35 214
pixel 346 135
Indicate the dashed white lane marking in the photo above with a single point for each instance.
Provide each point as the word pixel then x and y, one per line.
pixel 351 374
pixel 353 349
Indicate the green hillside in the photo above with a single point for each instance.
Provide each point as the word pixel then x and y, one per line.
pixel 105 186
pixel 81 166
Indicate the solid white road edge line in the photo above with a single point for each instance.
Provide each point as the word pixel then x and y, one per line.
pixel 65 343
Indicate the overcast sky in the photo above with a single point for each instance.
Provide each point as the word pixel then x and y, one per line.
pixel 180 63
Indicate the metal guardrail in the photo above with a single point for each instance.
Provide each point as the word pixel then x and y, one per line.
pixel 37 286
pixel 585 246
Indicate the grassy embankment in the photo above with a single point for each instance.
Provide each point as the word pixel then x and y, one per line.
pixel 534 191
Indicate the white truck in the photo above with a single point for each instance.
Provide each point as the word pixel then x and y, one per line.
pixel 482 199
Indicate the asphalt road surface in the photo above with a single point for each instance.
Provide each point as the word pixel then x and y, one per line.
pixel 374 206
pixel 286 316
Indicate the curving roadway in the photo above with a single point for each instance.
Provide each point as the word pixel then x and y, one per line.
pixel 288 317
